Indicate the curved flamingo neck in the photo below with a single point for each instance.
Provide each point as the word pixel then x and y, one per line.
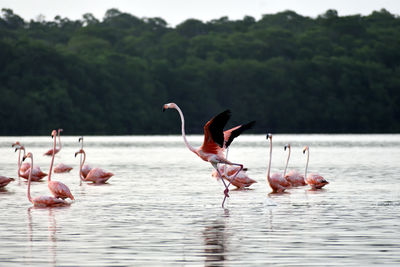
pixel 308 157
pixel 52 160
pixel 29 181
pixel 80 167
pixel 270 159
pixel 20 161
pixel 287 162
pixel 59 140
pixel 191 148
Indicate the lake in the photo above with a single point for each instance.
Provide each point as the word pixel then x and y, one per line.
pixel 163 207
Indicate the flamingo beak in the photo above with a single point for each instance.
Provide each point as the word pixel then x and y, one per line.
pixel 76 153
pixel 285 148
pixel 163 108
pixel 16 149
pixel 23 158
pixel 80 139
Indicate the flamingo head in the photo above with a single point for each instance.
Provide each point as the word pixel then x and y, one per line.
pixel 78 152
pixel 286 146
pixel 305 149
pixel 53 133
pixel 167 106
pixel 16 144
pixel 269 136
pixel 80 139
pixel 29 155
pixel 60 130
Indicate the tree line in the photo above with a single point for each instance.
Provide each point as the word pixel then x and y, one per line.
pixel 290 73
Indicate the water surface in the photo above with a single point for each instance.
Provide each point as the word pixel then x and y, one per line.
pixel 162 207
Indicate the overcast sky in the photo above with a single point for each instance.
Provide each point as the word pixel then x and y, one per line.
pixel 177 11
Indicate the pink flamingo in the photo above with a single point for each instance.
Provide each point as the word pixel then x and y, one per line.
pixel 86 168
pixel 315 180
pixel 276 181
pixel 62 168
pixel 56 150
pixel 5 181
pixel 241 181
pixel 42 201
pixel 214 142
pixel 24 169
pixel 58 189
pixel 24 166
pixel 293 177
pixel 96 175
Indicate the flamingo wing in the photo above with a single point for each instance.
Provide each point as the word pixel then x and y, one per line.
pixel 213 133
pixel 231 134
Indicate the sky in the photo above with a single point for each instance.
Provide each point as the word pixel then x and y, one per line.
pixel 175 12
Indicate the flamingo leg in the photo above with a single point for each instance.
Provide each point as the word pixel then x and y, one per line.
pixel 234 176
pixel 226 191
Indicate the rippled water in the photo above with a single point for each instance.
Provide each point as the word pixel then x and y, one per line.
pixel 162 207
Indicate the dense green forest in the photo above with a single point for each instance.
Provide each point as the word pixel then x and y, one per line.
pixel 290 73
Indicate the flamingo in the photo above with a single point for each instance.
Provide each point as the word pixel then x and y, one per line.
pixel 293 177
pixel 42 201
pixel 56 150
pixel 315 180
pixel 241 181
pixel 62 168
pixel 24 170
pixel 86 168
pixel 5 181
pixel 21 167
pixel 215 141
pixel 276 181
pixel 96 175
pixel 58 189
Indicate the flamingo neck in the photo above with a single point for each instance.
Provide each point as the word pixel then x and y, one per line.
pixel 270 159
pixel 191 148
pixel 52 160
pixel 287 162
pixel 19 162
pixel 305 172
pixel 29 181
pixel 59 140
pixel 80 167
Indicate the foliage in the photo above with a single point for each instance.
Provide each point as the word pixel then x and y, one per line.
pixel 291 73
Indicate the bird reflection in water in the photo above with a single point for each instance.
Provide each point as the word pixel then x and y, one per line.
pixel 52 238
pixel 215 244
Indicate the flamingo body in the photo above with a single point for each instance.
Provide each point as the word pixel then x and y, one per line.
pixel 98 175
pixel 5 181
pixel 50 152
pixel 278 183
pixel 37 174
pixel 85 170
pixel 62 168
pixel 60 190
pixel 242 180
pixel 48 201
pixel 24 167
pixel 316 181
pixel 295 178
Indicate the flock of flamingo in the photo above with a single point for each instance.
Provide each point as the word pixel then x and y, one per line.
pixel 214 150
pixel 59 190
pixel 217 141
